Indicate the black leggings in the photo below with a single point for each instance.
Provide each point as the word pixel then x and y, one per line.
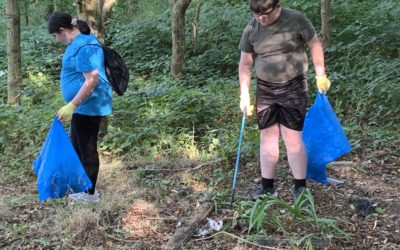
pixel 84 132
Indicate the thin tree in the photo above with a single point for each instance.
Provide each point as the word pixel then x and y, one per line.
pixel 95 13
pixel 14 77
pixel 325 23
pixel 195 25
pixel 49 9
pixel 26 12
pixel 178 36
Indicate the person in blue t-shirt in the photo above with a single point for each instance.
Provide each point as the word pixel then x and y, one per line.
pixel 84 87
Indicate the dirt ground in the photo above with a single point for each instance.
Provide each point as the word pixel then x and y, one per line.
pixel 374 181
pixel 162 196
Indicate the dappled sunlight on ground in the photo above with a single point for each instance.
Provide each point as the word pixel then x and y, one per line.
pixel 112 178
pixel 141 219
pixel 190 180
pixel 199 186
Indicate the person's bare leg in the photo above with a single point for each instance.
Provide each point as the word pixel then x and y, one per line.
pixel 296 152
pixel 269 151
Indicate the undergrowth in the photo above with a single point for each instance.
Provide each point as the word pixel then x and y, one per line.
pixel 270 215
pixel 198 117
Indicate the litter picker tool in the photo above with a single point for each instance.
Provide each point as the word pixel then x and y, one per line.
pixel 237 159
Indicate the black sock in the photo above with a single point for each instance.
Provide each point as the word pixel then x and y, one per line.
pixel 267 183
pixel 299 183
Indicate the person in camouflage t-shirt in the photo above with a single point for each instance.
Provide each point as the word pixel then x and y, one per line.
pixel 275 41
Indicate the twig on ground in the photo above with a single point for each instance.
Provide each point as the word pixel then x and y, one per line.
pixel 396 246
pixel 8 188
pixel 204 164
pixel 159 169
pixel 160 218
pixel 119 239
pixel 344 221
pixel 177 169
pixel 237 237
pixel 155 231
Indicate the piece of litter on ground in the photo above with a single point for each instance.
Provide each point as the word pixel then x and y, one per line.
pixel 340 163
pixel 364 207
pixel 334 181
pixel 210 226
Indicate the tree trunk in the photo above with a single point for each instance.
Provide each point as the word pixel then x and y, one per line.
pixel 195 26
pixel 49 9
pixel 26 10
pixel 178 37
pixel 95 13
pixel 14 77
pixel 325 23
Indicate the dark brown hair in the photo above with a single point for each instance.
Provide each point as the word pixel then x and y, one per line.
pixel 261 6
pixel 60 19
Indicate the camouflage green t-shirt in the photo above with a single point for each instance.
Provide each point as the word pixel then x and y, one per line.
pixel 279 48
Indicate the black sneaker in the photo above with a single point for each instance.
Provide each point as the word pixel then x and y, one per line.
pixel 297 192
pixel 260 191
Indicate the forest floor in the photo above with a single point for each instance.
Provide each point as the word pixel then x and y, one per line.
pixel 142 205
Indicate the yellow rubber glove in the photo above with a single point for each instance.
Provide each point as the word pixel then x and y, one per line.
pixel 323 83
pixel 245 104
pixel 65 113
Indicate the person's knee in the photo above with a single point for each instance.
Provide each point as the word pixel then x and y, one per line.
pixel 270 134
pixel 270 153
pixel 294 146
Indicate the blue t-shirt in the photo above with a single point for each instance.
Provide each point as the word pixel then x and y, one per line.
pixel 74 63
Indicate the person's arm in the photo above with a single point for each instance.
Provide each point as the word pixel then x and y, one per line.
pixel 317 54
pixel 91 81
pixel 245 70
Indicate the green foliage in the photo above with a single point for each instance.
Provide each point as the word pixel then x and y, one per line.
pixel 25 127
pixel 198 116
pixel 310 8
pixel 3 20
pixel 134 10
pixel 363 59
pixel 169 118
pixel 273 214
pixel 122 10
pixel 217 52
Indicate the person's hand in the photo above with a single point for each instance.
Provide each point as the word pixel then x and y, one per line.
pixel 65 113
pixel 323 83
pixel 245 104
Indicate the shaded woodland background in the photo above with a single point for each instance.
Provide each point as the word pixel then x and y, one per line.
pixel 182 104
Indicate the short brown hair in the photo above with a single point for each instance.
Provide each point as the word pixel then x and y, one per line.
pixel 261 6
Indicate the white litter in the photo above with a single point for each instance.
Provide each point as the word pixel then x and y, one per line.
pixel 84 197
pixel 333 181
pixel 210 226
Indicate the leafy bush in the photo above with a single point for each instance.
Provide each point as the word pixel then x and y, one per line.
pixel 272 214
pixel 24 128
pixel 145 44
pixel 168 116
pixel 217 53
pixel 362 60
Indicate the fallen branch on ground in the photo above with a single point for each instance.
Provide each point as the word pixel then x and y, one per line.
pixel 237 237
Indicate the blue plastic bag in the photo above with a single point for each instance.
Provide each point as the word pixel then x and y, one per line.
pixel 57 167
pixel 323 137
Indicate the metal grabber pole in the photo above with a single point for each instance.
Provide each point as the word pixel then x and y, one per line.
pixel 237 159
